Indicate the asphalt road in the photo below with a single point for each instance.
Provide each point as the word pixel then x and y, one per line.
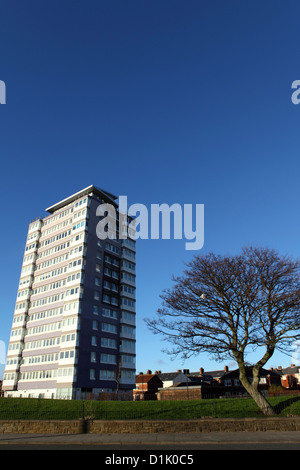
pixel 151 451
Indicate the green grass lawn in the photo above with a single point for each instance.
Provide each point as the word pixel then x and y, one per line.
pixel 35 408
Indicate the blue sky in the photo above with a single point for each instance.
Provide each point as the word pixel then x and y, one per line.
pixel 162 101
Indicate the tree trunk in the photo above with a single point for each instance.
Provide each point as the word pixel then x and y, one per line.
pixel 259 399
pixel 262 403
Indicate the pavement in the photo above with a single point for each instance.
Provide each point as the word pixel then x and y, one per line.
pixel 176 440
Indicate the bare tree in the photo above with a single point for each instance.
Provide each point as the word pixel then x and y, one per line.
pixel 118 375
pixel 230 306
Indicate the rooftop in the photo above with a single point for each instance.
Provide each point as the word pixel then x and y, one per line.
pixel 90 189
pixel 173 375
pixel 144 378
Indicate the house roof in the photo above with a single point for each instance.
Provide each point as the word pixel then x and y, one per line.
pixel 145 378
pixel 197 380
pixel 169 375
pixel 289 370
pixel 263 373
pixel 172 375
pixel 214 373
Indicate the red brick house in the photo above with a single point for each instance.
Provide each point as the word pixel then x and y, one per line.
pixel 290 377
pixel 146 386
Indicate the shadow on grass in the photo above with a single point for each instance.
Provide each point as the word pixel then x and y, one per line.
pixel 285 404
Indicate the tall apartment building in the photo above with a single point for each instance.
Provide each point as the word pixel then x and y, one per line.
pixel 73 329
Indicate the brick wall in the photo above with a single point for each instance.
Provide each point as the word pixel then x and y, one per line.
pixel 149 426
pixel 41 427
pixel 202 425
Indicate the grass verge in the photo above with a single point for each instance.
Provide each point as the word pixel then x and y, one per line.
pixel 37 408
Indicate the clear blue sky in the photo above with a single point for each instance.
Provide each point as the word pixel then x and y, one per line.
pixel 165 101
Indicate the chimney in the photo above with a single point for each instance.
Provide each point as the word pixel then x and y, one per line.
pixel 186 371
pixel 279 367
pixel 293 365
pixel 141 373
pixel 149 371
pixel 201 370
pixel 226 369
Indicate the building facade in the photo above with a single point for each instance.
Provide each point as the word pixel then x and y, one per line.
pixel 147 386
pixel 290 376
pixel 73 328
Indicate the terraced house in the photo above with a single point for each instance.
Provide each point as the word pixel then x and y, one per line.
pixel 73 328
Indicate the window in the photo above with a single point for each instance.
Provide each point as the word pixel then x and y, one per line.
pixel 127 374
pixel 108 343
pixel 94 341
pixel 75 263
pixel 107 374
pixel 109 327
pixel 126 316
pixel 66 338
pixel 128 253
pixel 128 289
pixel 80 224
pixel 128 302
pixel 108 358
pixel 93 356
pixel 107 312
pixel 127 344
pixel 92 374
pixel 127 329
pixel 112 248
pixel 74 277
pixel 107 258
pixel 128 265
pixel 63 355
pixel 95 325
pixel 128 360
